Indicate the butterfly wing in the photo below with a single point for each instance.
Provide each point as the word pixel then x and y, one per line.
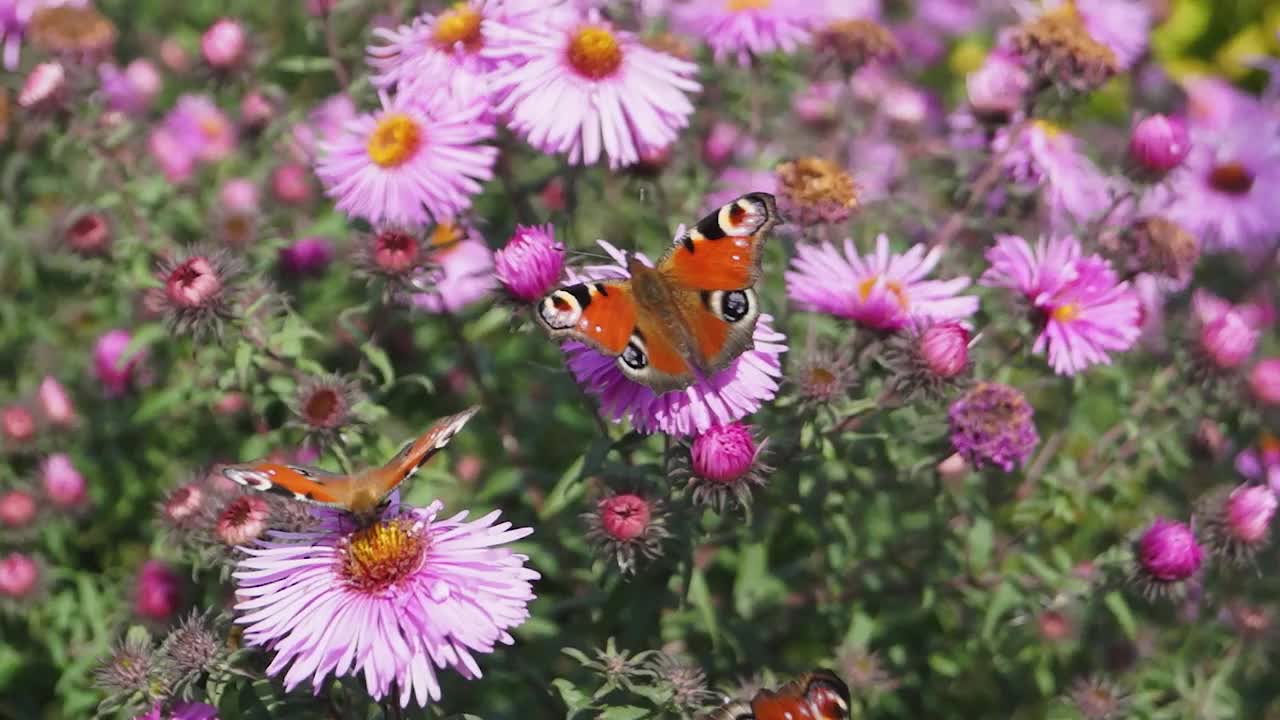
pixel 723 251
pixel 297 482
pixel 381 481
pixel 609 317
pixel 817 695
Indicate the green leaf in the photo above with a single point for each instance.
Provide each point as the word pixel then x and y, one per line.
pixel 752 566
pixel 575 699
pixel 943 665
pixel 700 597
pixel 567 490
pixel 624 712
pixel 1004 598
pixel 305 65
pixel 379 358
pixel 244 358
pixel 981 540
pixel 1115 602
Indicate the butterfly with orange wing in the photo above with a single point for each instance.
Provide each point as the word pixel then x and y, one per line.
pixel 361 494
pixel 686 318
pixel 816 695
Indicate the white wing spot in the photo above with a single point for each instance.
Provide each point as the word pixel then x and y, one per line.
pixel 740 243
pixel 599 329
pixel 736 257
pixel 299 496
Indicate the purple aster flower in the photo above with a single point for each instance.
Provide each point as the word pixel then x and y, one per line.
pixel 742 29
pixel 1046 156
pixel 1225 191
pixel 881 291
pixel 1086 312
pixel 731 394
pixel 132 89
pixel 992 425
pixel 587 89
pixel 395 600
pixel 462 271
pixel 1214 103
pixel 1168 554
pixel 324 125
pixel 531 263
pixel 416 159
pixel 201 128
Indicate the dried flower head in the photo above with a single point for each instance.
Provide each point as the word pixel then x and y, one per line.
pixel 87 233
pixel 1236 522
pixel 722 466
pixel 325 406
pixel 1059 50
pixel 685 682
pixel 192 649
pixel 618 668
pixel 863 670
pixel 1156 245
pixel 1098 699
pixel 71 30
pixel 992 425
pixel 183 506
pixel 812 191
pixel 824 375
pixel 852 42
pixel 395 255
pixel 130 669
pixel 198 291
pixel 627 527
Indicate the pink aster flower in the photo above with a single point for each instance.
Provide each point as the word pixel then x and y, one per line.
pixel 742 29
pixel 418 158
pixel 883 290
pixel 1047 157
pixel 731 394
pixel 585 88
pixel 462 270
pixel 1225 191
pixel 325 124
pixel 132 89
pixel 1086 313
pixel 199 126
pixel 531 263
pixel 396 600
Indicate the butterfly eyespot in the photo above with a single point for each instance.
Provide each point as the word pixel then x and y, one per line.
pixel 633 356
pixel 733 306
pixel 562 309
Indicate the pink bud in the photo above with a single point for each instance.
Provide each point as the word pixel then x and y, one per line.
pixel 816 104
pixel 174 56
pixel 19 575
pixel 89 234
pixel 720 144
pixel 223 44
pixel 552 195
pixel 945 349
pixel 1249 512
pixel 530 264
pixel 239 195
pixel 624 517
pixel 193 284
pixel 145 78
pixel 157 591
pixel 17 508
pixel 43 85
pixel 63 484
pixel 114 370
pixel 998 87
pixel 256 109
pixel 55 402
pixel 307 256
pixel 1160 143
pixel 291 184
pixel 1264 381
pixel 1168 551
pixel 1228 340
pixel 724 453
pixel 18 424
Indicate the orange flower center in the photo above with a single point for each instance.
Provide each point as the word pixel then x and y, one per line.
pixel 893 286
pixel 740 5
pixel 382 555
pixel 594 52
pixel 1066 313
pixel 1232 179
pixel 394 141
pixel 459 24
pixel 212 127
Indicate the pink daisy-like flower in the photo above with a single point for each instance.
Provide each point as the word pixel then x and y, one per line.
pixel 1086 312
pixel 324 124
pixel 731 394
pixel 742 29
pixel 197 125
pixel 462 272
pixel 584 88
pixel 531 263
pixel 883 290
pixel 1046 156
pixel 418 158
pixel 1225 192
pixel 395 600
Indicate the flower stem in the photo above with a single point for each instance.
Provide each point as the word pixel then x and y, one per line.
pixel 981 188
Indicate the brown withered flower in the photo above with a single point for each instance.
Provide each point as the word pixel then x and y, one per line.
pixel 852 43
pixel 72 30
pixel 1156 245
pixel 1059 51
pixel 813 190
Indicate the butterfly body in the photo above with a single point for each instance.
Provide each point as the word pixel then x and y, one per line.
pixel 361 494
pixel 687 317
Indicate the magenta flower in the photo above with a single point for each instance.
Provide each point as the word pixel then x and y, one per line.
pixel 462 273
pixel 1168 552
pixel 944 349
pixel 992 424
pixel 157 591
pixel 394 601
pixel 587 89
pixel 1047 157
pixel 1264 381
pixel 417 159
pixel 1086 313
pixel 1160 143
pixel 743 29
pixel 308 256
pixel 44 86
pixel 63 483
pixel 531 263
pixel 723 453
pixel 131 90
pixel 181 711
pixel 731 394
pixel 627 529
pixel 115 371
pixel 1228 340
pixel 882 290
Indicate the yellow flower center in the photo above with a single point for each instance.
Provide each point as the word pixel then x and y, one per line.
pixel 382 554
pixel 1051 130
pixel 893 286
pixel 445 238
pixel 1066 313
pixel 394 141
pixel 459 24
pixel 740 5
pixel 212 128
pixel 594 52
